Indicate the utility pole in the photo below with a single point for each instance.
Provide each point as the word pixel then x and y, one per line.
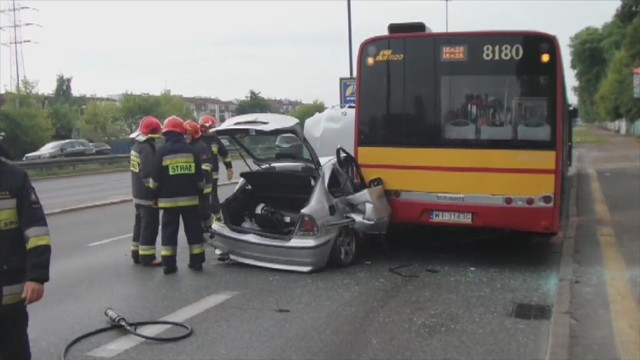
pixel 446 10
pixel 350 39
pixel 15 25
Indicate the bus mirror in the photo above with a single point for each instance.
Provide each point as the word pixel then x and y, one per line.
pixel 573 112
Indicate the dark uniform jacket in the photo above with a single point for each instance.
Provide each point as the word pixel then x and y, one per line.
pixel 177 178
pixel 218 148
pixel 142 159
pixel 206 158
pixel 25 245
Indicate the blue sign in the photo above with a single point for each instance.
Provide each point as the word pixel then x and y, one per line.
pixel 347 91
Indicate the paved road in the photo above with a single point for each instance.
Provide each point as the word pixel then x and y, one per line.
pixel 80 190
pixel 606 289
pixel 457 306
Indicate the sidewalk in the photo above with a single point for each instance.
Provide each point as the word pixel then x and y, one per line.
pixel 605 295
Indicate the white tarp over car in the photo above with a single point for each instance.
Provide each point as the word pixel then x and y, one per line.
pixel 332 128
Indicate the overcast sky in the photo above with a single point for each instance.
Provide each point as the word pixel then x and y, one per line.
pixel 285 49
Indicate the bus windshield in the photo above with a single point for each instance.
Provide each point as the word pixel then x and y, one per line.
pixel 486 92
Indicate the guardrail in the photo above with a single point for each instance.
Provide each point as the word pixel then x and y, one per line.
pixel 47 164
pixel 60 164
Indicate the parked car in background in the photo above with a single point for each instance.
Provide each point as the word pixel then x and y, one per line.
pixel 101 148
pixel 62 149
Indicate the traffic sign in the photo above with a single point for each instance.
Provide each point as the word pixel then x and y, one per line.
pixel 347 91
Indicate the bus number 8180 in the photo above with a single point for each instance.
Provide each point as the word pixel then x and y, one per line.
pixel 504 52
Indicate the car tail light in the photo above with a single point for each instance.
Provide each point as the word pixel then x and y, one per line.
pixel 547 199
pixel 508 200
pixel 530 201
pixel 307 226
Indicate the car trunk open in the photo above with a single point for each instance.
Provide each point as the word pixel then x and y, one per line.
pixel 270 205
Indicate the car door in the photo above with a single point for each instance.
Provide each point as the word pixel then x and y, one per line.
pixel 368 205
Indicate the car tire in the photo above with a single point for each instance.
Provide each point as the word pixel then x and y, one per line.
pixel 345 249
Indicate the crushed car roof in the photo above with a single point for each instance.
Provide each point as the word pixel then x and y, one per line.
pixel 261 121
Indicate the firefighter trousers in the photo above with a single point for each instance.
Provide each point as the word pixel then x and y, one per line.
pixel 145 234
pixel 14 339
pixel 215 200
pixel 192 229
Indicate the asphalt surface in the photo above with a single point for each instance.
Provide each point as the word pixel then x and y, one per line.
pixel 595 308
pixel 452 300
pixel 58 193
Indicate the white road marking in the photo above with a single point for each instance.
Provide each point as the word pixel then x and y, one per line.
pixel 110 240
pixel 126 342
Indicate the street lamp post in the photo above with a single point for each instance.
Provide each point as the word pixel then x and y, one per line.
pixel 350 41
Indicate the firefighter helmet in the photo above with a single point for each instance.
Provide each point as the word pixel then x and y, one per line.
pixel 149 127
pixel 192 128
pixel 173 123
pixel 208 122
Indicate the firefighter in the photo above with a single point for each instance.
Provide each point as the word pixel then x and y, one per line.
pixel 207 126
pixel 194 138
pixel 25 253
pixel 178 183
pixel 147 215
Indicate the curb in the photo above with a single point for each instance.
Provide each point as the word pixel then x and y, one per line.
pixel 559 334
pixel 107 203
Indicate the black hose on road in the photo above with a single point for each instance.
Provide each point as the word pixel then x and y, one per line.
pixel 119 322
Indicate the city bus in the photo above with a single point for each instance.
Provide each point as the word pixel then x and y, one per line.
pixel 466 129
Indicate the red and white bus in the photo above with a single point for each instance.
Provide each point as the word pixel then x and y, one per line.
pixel 467 129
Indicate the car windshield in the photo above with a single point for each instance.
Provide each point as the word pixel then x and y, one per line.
pixel 51 146
pixel 264 147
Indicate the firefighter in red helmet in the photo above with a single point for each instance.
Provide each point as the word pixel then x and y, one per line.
pixel 178 183
pixel 207 127
pixel 194 138
pixel 147 215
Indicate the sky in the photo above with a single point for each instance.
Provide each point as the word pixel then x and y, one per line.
pixel 296 49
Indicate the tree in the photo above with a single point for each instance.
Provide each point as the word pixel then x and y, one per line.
pixel 135 107
pixel 628 11
pixel 24 121
pixel 173 105
pixel 590 64
pixel 62 94
pixel 254 103
pixel 632 42
pixel 103 121
pixel 64 119
pixel 303 112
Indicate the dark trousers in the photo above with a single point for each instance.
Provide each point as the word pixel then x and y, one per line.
pixel 145 234
pixel 192 229
pixel 14 339
pixel 215 200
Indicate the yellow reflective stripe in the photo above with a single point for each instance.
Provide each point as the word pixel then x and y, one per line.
pixel 196 249
pixel 207 189
pixel 227 159
pixel 8 219
pixel 178 201
pixel 147 250
pixel 12 294
pixel 176 158
pixel 207 167
pixel 152 184
pixel 214 149
pixel 38 241
pixel 168 251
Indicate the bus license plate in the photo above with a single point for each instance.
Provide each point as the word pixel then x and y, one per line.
pixel 453 217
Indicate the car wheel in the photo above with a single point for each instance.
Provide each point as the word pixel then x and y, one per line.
pixel 345 248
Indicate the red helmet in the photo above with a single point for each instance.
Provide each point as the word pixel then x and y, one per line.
pixel 174 123
pixel 192 128
pixel 208 122
pixel 149 127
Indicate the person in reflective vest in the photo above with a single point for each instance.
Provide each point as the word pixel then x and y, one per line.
pixel 178 183
pixel 207 127
pixel 147 215
pixel 194 138
pixel 25 253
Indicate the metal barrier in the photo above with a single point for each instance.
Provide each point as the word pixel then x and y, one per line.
pixel 47 164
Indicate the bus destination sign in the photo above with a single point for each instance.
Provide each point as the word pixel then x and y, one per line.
pixel 453 53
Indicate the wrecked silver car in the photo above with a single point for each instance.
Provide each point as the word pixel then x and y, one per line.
pixel 295 211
